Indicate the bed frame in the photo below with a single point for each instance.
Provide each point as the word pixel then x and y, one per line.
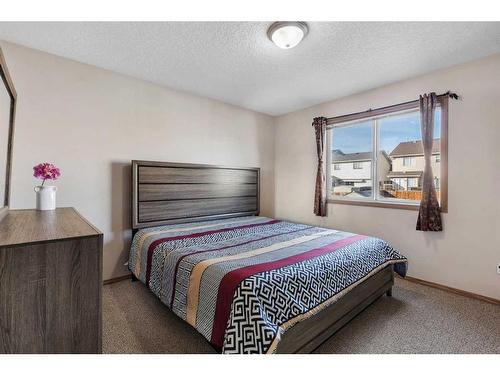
pixel 171 193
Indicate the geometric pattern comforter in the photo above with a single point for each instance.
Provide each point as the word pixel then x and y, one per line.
pixel 242 282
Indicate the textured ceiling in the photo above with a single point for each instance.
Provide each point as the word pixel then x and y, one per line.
pixel 235 62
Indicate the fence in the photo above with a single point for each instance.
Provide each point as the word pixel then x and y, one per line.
pixel 415 195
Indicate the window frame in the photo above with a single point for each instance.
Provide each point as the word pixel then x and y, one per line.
pixel 414 180
pixel 357 165
pixel 412 161
pixel 379 113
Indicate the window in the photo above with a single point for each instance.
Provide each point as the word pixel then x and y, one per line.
pixel 398 183
pixel 350 145
pixel 436 183
pixel 357 165
pixel 412 182
pixel 387 158
pixel 409 161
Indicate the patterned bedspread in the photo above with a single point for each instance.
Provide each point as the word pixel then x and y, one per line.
pixel 242 282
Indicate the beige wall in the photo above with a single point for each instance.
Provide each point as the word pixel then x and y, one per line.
pixel 466 253
pixel 91 122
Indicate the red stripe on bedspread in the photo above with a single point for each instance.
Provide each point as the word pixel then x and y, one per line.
pixel 154 244
pixel 232 279
pixel 223 248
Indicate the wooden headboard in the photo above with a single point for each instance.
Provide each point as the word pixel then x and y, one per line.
pixel 169 193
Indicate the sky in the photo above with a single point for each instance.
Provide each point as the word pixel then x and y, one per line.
pixel 393 130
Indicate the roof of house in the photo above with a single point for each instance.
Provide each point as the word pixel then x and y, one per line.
pixel 339 156
pixel 414 148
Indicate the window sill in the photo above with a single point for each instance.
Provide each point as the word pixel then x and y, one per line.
pixel 400 206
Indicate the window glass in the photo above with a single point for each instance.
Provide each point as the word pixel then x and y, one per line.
pixel 436 183
pixel 352 146
pixel 409 161
pixel 357 165
pixel 401 156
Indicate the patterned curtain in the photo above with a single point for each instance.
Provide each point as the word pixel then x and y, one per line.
pixel 429 215
pixel 319 124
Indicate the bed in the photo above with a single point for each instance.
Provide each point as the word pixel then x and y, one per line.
pixel 248 283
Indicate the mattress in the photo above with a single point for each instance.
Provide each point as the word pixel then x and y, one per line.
pixel 242 282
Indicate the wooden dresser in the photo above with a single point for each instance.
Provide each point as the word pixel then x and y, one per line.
pixel 50 283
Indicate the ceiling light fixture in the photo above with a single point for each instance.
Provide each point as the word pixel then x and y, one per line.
pixel 287 35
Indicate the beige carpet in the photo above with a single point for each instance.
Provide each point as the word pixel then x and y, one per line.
pixel 417 319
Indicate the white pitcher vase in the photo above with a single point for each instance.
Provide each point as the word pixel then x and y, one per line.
pixel 45 197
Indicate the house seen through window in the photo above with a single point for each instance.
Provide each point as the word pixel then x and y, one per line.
pixel 381 158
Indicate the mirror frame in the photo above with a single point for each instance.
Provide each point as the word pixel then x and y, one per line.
pixel 7 82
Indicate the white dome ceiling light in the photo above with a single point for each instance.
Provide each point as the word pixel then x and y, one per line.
pixel 287 35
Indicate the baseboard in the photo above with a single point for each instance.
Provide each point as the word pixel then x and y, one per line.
pixel 452 290
pixel 117 279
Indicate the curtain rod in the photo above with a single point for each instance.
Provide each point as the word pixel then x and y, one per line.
pixel 384 110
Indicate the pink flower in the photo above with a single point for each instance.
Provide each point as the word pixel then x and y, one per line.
pixel 46 171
